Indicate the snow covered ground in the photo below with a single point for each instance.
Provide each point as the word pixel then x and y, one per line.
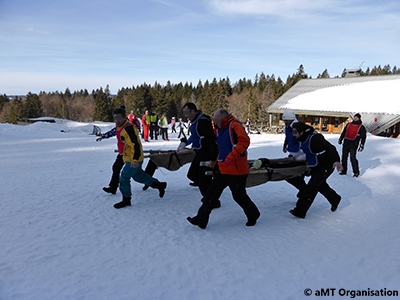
pixel 61 238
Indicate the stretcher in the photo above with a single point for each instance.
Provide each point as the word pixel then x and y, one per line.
pixel 269 170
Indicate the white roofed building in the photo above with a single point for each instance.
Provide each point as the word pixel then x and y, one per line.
pixel 327 103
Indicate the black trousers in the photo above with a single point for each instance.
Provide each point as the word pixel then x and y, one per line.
pixel 181 132
pixel 153 131
pixel 350 148
pixel 317 183
pixel 237 185
pixel 116 168
pixel 298 183
pixel 164 133
pixel 197 174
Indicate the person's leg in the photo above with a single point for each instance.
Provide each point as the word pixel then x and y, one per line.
pixel 151 132
pixel 215 190
pixel 150 169
pixel 354 161
pixel 114 182
pixel 345 155
pixel 237 185
pixel 298 183
pixel 125 186
pixel 309 193
pixel 140 176
pixel 193 172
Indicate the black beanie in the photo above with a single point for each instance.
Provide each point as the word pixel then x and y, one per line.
pixel 300 126
pixel 358 115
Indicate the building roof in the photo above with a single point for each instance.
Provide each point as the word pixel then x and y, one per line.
pixel 374 97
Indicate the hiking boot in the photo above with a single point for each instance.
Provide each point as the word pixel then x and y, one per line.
pixel 110 190
pixel 195 221
pixel 356 174
pixel 297 214
pixel 343 173
pixel 160 186
pixel 125 202
pixel 252 221
pixel 335 205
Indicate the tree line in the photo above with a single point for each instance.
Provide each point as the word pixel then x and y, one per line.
pixel 245 99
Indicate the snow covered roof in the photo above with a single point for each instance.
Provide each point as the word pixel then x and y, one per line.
pixel 372 96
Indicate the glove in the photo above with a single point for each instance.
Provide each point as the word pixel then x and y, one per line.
pixel 228 162
pixel 181 147
pixel 340 142
pixel 257 164
pixel 361 148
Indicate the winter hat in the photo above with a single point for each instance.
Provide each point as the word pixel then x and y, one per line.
pixel 288 115
pixel 123 106
pixel 357 115
pixel 300 126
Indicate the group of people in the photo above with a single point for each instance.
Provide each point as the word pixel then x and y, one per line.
pixel 151 126
pixel 220 145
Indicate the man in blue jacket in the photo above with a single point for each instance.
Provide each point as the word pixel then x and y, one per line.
pixel 322 158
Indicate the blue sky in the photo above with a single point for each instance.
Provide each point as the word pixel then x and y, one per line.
pixel 49 45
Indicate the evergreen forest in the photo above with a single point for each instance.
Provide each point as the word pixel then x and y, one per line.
pixel 244 99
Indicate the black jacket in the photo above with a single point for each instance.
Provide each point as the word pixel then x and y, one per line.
pixel 319 144
pixel 209 147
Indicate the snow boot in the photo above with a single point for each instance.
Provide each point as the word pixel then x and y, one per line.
pixel 198 222
pixel 297 214
pixel 110 190
pixel 160 186
pixel 336 204
pixel 145 187
pixel 125 202
pixel 252 221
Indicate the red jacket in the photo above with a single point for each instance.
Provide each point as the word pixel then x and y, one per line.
pixel 233 142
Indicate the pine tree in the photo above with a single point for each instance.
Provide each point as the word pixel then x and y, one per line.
pixel 252 109
pixel 3 100
pixel 102 108
pixel 16 111
pixel 324 74
pixel 33 106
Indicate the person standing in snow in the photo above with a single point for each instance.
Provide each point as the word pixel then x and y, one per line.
pixel 181 127
pixel 146 125
pixel 204 144
pixel 132 118
pixel 163 124
pixel 352 134
pixel 132 156
pixel 233 142
pixel 322 159
pixel 118 163
pixel 248 125
pixel 153 126
pixel 292 145
pixel 173 125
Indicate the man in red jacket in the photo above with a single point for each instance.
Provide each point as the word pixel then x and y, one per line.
pixel 233 142
pixel 353 134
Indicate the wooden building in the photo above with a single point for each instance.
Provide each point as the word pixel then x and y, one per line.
pixel 328 104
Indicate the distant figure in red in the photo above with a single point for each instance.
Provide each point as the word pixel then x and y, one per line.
pixel 146 126
pixel 132 118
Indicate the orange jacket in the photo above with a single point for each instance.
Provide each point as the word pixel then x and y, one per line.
pixel 233 142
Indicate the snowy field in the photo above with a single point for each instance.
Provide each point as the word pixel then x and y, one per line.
pixel 61 238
